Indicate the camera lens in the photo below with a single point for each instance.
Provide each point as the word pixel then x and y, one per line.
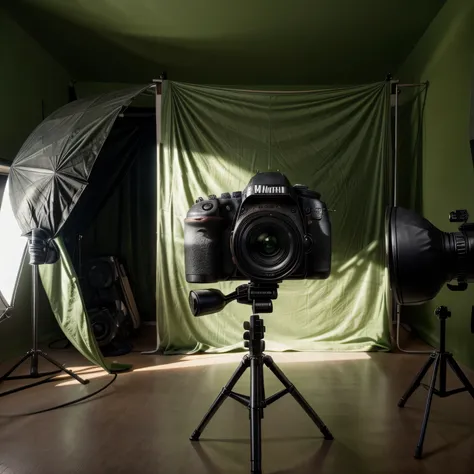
pixel 267 247
pixel 268 244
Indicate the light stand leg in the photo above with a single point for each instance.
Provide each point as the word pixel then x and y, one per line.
pixel 416 383
pixel 6 376
pixel 460 374
pixel 243 366
pixel 34 312
pixel 293 391
pixel 419 447
pixel 62 368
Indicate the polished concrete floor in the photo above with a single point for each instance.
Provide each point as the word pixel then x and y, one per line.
pixel 142 422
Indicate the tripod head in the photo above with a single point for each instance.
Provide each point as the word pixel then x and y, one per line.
pixel 259 295
pixel 442 312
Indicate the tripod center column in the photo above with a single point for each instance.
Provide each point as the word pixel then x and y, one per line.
pixel 253 336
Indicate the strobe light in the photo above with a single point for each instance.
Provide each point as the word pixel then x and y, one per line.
pixel 422 258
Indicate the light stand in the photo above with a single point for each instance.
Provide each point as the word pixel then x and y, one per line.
pixel 42 251
pixel 260 297
pixel 441 360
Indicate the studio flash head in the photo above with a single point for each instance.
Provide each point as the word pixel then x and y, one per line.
pixel 422 258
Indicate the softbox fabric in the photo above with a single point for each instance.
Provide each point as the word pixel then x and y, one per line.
pixel 336 141
pixel 52 168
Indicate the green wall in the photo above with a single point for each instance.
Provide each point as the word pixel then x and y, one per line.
pixel 28 77
pixel 227 42
pixel 445 57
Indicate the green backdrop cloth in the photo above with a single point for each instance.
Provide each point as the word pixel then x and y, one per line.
pixel 336 141
pixel 65 296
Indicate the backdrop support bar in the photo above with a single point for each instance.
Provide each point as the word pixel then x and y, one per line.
pixel 158 102
pixel 420 84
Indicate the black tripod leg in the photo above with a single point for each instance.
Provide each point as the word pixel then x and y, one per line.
pixel 25 357
pixel 419 447
pixel 256 414
pixel 416 383
pixel 63 368
pixel 298 397
pixel 461 375
pixel 243 366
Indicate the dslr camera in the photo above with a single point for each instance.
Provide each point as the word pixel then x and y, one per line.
pixel 269 232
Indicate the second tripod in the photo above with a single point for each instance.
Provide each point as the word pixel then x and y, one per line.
pixel 256 402
pixel 441 359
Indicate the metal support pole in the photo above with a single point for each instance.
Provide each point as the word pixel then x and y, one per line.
pixel 420 84
pixel 35 311
pixel 158 83
pixel 395 151
pixel 442 356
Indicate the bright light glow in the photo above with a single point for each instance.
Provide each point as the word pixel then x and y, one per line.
pixel 360 258
pixel 293 357
pixel 12 248
pixel 202 360
pixel 87 372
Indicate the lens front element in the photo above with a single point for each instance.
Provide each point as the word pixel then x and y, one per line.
pixel 267 246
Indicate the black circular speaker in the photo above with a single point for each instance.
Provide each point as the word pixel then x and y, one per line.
pixel 100 273
pixel 104 325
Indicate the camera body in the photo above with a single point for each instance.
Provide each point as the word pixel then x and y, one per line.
pixel 269 232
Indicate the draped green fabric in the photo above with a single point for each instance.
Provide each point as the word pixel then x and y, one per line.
pixel 336 141
pixel 62 288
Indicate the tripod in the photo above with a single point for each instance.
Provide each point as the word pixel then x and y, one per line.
pixel 41 251
pixel 255 360
pixel 441 359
